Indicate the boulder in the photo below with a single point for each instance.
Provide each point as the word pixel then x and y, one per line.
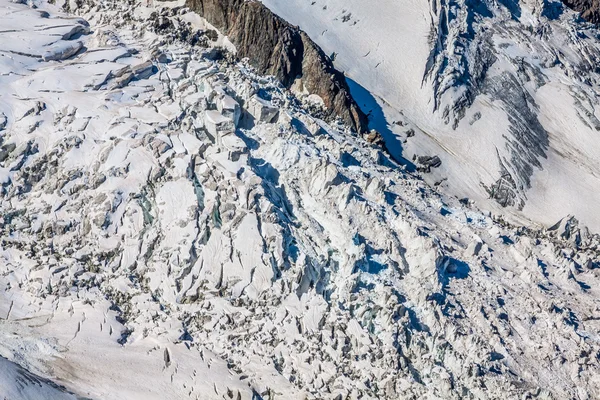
pixel 375 138
pixel 426 163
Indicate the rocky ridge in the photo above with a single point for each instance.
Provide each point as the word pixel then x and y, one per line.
pixel 589 9
pixel 274 47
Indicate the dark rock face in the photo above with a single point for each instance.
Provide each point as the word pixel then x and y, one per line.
pixel 274 47
pixel 426 163
pixel 589 9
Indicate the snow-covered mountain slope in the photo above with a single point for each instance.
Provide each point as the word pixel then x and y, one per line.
pixel 504 92
pixel 175 226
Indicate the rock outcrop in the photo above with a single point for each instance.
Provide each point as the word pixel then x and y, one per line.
pixel 275 47
pixel 589 9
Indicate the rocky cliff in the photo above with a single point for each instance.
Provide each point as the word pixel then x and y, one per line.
pixel 589 9
pixel 275 47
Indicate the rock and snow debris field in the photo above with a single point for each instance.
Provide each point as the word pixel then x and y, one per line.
pixel 177 227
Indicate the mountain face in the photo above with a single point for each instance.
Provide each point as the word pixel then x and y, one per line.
pixel 175 225
pixel 504 93
pixel 590 10
pixel 276 48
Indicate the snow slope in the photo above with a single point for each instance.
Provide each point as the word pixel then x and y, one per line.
pixel 17 383
pixel 175 226
pixel 505 93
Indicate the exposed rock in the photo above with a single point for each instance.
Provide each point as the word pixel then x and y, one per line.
pixel 375 137
pixel 275 47
pixel 589 9
pixel 425 163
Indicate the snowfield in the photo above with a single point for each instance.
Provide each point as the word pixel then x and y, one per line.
pixel 504 93
pixel 175 226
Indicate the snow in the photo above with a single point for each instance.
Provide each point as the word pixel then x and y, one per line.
pixel 61 50
pixel 17 383
pixel 385 51
pixel 155 246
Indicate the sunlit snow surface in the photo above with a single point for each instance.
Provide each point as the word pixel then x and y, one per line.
pixel 504 92
pixel 151 250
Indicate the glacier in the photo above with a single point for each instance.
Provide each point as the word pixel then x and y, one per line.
pixel 175 225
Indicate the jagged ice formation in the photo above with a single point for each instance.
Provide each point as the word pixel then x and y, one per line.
pixel 176 226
